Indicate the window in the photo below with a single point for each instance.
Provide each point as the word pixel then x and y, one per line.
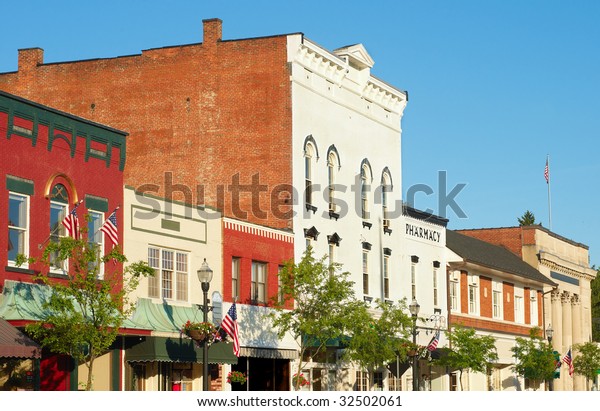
pixel 331 256
pixel 454 291
pixel 235 278
pixel 280 296
pixel 386 276
pixel 364 191
pixel 377 381
pixel 385 189
pixel 18 226
pixel 413 281
pixel 59 200
pixel 533 307
pixel 170 280
pixel 519 315
pixel 95 238
pixel 497 311
pixel 332 163
pixel 435 286
pixel 259 282
pixel 365 267
pixel 394 383
pixel 473 294
pixel 362 381
pixel 309 155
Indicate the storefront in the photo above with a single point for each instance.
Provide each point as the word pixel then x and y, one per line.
pixel 19 360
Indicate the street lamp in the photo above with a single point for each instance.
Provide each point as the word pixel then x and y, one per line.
pixel 549 334
pixel 414 311
pixel 205 275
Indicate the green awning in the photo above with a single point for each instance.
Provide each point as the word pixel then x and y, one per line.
pixel 181 349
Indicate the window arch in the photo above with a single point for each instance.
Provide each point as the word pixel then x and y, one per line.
pixel 59 207
pixel 310 154
pixel 386 187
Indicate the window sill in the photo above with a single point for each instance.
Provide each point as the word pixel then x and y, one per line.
pixel 310 207
pixel 387 230
pixel 333 214
pixel 14 269
pixel 367 224
pixel 367 298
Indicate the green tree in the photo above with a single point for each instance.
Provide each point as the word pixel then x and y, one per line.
pixel 84 312
pixel 534 357
pixel 325 308
pixel 527 219
pixel 469 351
pixel 595 286
pixel 586 360
pixel 377 340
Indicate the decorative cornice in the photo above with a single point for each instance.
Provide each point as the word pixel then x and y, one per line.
pixel 551 261
pixel 253 229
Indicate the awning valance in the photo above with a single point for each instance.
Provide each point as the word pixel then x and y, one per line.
pixel 15 344
pixel 268 353
pixel 181 349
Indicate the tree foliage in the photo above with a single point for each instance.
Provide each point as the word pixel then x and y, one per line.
pixel 378 340
pixel 84 311
pixel 469 351
pixel 527 219
pixel 586 361
pixel 325 308
pixel 595 286
pixel 534 357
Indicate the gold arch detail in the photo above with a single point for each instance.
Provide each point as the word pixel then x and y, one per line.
pixel 72 191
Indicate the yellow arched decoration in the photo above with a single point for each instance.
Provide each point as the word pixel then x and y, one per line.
pixel 72 190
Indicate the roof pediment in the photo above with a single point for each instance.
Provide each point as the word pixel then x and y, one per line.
pixel 356 56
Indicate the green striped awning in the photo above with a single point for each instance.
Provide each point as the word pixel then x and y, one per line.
pixel 176 349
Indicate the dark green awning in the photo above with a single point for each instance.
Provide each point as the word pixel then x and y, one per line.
pixel 168 349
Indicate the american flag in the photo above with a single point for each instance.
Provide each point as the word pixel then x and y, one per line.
pixel 229 324
pixel 547 173
pixel 110 228
pixel 434 341
pixel 568 359
pixel 71 223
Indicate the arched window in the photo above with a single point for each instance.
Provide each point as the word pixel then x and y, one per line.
pixel 59 207
pixel 309 159
pixel 332 165
pixel 365 183
pixel 386 187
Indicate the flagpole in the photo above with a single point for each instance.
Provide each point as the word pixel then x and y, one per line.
pixel 114 211
pixel 549 198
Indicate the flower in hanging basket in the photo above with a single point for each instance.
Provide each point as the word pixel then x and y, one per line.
pixel 300 380
pixel 236 377
pixel 199 331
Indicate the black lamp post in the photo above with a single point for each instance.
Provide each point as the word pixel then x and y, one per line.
pixel 414 311
pixel 549 334
pixel 205 275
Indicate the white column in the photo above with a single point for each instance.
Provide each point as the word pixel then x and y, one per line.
pixel 579 381
pixel 567 335
pixel 557 327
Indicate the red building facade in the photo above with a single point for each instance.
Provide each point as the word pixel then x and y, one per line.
pixel 50 163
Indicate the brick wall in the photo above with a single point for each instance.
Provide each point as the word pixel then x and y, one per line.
pixel 509 237
pixel 205 114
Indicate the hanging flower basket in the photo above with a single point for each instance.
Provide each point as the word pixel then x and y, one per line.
pixel 199 331
pixel 300 380
pixel 236 377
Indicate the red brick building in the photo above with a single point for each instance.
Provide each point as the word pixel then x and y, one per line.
pixel 51 161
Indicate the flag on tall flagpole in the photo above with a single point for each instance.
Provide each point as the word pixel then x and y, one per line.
pixel 568 359
pixel 547 172
pixel 434 341
pixel 71 222
pixel 547 177
pixel 229 324
pixel 110 227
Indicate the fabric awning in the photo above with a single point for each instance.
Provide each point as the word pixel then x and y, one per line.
pixel 268 353
pixel 171 349
pixel 15 344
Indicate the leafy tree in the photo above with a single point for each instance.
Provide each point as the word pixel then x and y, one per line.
pixel 586 362
pixel 534 357
pixel 325 307
pixel 84 311
pixel 527 219
pixel 469 351
pixel 377 340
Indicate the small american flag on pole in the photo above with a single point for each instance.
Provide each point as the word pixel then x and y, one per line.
pixel 547 172
pixel 229 324
pixel 110 228
pixel 71 222
pixel 568 359
pixel 434 341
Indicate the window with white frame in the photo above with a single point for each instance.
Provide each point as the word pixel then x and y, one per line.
pixel 386 276
pixel 18 226
pixel 364 191
pixel 385 189
pixel 95 238
pixel 473 288
pixel 259 282
pixel 235 277
pixel 170 280
pixel 435 286
pixel 309 158
pixel 332 164
pixel 362 381
pixel 533 307
pixel 454 285
pixel 497 308
pixel 365 269
pixel 413 279
pixel 519 313
pixel 59 200
pixel 280 296
pixel 331 256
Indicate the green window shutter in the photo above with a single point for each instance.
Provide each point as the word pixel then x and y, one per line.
pixel 96 203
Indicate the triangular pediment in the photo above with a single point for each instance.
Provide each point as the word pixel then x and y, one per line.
pixel 356 55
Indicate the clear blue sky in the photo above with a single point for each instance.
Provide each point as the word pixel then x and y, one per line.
pixel 494 86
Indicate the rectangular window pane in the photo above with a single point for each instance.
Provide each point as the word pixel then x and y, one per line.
pixel 435 286
pixel 182 277
pixel 154 281
pixel 58 211
pixel 386 278
pixel 167 284
pixel 259 278
pixel 365 261
pixel 17 226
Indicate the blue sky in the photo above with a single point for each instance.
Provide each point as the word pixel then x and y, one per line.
pixel 494 86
